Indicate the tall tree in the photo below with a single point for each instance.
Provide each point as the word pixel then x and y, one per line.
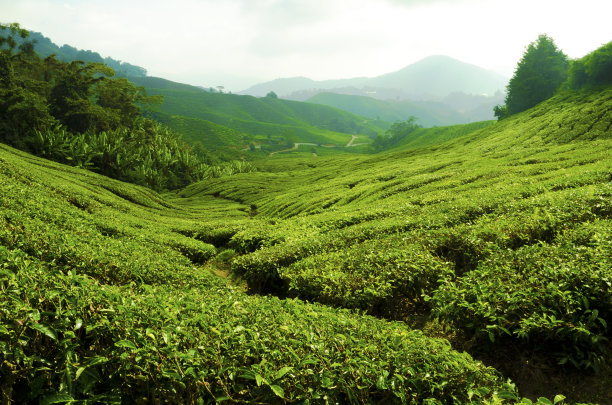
pixel 538 75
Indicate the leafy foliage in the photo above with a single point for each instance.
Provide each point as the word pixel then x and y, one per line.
pixel 496 236
pixel 402 234
pixel 102 301
pixel 592 70
pixel 76 113
pixel 540 72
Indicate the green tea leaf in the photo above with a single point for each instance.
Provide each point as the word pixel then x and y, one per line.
pixel 44 329
pixel 126 343
pixel 280 373
pixel 278 390
pixel 558 398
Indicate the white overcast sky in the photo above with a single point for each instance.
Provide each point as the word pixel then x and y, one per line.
pixel 238 43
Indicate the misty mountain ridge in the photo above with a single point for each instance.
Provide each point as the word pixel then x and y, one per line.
pixel 431 78
pixel 456 108
pixel 437 90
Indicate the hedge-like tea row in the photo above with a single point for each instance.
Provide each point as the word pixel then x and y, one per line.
pixel 67 337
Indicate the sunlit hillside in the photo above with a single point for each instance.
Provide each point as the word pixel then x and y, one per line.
pixel 223 122
pixel 495 239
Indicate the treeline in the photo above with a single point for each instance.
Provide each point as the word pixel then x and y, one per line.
pixel 78 113
pixel 593 70
pixel 44 47
pixel 544 69
pixel 394 136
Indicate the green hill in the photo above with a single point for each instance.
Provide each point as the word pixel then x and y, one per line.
pixel 466 264
pixel 227 124
pixel 109 294
pixel 501 233
pixel 264 120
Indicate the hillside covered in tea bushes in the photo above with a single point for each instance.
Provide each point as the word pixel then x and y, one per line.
pixel 497 240
pixel 462 264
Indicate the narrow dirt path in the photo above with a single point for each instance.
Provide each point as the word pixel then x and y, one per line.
pixel 298 144
pixel 294 147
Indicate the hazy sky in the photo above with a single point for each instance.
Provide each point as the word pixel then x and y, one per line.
pixel 238 43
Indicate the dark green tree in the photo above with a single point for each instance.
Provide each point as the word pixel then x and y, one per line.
pixel 396 134
pixel 539 74
pixel 124 99
pixel 71 97
pixel 592 70
pixel 22 109
pixel 271 94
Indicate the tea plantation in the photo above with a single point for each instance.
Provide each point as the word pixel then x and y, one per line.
pixel 352 278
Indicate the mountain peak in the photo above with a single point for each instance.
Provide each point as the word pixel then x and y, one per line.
pixel 433 77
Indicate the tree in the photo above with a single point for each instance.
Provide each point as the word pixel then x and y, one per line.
pixel 539 74
pixel 22 110
pixel 71 97
pixel 271 95
pixel 124 99
pixel 500 111
pixel 396 134
pixel 592 70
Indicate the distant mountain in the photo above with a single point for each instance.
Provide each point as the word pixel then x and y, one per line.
pixel 456 108
pixel 429 113
pixel 432 78
pixel 439 76
pixel 438 90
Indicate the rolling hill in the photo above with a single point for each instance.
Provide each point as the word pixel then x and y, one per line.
pixel 438 90
pixel 466 264
pixel 237 120
pixel 229 125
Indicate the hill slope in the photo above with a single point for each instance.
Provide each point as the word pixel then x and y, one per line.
pixel 493 233
pixel 495 238
pixel 259 119
pixel 108 295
